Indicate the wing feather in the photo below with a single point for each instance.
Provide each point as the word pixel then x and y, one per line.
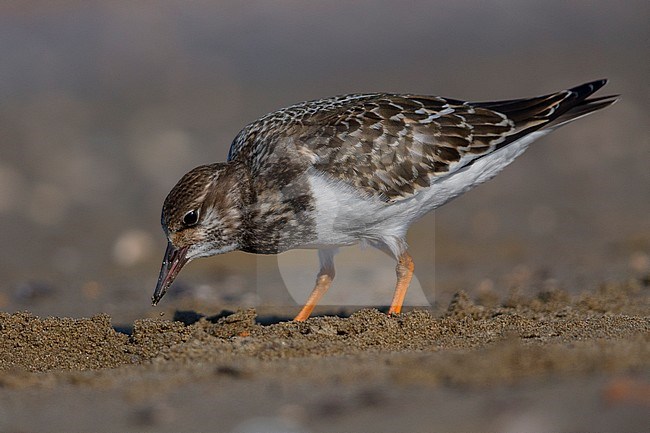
pixel 391 146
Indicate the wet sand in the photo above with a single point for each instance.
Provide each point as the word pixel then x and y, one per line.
pixel 549 362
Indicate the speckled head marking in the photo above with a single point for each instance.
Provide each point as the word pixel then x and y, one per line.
pixel 188 195
pixel 201 216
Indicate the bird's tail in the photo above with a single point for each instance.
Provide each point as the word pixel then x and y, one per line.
pixel 549 111
pixel 555 109
pixel 587 106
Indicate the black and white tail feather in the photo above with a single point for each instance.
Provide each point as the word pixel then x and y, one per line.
pixel 554 109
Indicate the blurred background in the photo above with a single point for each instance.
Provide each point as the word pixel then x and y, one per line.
pixel 104 105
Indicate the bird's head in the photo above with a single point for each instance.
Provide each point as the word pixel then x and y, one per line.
pixel 201 217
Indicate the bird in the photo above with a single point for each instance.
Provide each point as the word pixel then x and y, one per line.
pixel 356 168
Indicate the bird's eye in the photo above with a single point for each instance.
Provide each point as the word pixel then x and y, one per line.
pixel 191 218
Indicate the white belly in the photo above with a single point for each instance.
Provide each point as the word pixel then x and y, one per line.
pixel 344 217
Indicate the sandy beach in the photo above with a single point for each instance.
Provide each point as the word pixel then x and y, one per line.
pixel 548 363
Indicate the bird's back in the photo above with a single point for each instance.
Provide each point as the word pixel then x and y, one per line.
pixel 393 146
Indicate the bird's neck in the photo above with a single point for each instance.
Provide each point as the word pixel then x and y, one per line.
pixel 238 187
pixel 239 184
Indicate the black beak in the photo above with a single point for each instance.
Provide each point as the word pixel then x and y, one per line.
pixel 173 262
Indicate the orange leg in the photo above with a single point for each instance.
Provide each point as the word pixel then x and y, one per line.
pixel 323 282
pixel 404 272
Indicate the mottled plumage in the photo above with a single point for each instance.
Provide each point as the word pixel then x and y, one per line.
pixel 352 168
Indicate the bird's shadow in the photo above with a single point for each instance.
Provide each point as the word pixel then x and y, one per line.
pixel 190 317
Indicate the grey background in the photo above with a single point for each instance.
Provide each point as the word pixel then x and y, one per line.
pixel 104 105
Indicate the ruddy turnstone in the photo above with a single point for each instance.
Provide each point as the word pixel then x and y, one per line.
pixel 349 169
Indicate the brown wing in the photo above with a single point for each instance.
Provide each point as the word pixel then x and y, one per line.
pixel 394 145
pixel 391 146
